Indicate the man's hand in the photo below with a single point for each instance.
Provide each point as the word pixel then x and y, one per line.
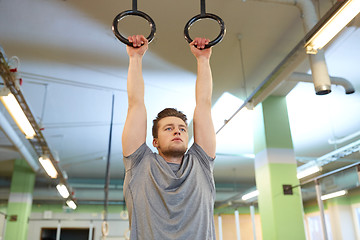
pixel 197 47
pixel 140 45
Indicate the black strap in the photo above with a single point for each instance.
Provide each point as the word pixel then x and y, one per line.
pixel 202 7
pixel 134 5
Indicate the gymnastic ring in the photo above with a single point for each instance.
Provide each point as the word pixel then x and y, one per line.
pixel 135 13
pixel 105 228
pixel 127 234
pixel 124 215
pixel 202 16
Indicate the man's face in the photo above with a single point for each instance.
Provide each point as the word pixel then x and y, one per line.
pixel 172 137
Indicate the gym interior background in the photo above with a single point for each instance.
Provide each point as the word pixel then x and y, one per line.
pixel 273 122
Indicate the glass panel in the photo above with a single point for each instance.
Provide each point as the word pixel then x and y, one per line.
pixel 357 211
pixel 314 224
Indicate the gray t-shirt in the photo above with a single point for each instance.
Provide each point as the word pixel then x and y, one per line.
pixel 166 201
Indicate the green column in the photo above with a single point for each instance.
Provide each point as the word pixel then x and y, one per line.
pixel 275 166
pixel 20 201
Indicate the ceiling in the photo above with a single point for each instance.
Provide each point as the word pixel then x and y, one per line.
pixel 72 65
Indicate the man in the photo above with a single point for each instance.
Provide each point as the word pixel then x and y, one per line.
pixel 169 195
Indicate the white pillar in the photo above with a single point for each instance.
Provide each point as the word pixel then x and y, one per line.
pixel 220 227
pixel 3 227
pixel 237 222
pixel 91 230
pixel 252 212
pixel 58 231
pixel 321 208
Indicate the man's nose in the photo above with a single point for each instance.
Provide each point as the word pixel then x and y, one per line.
pixel 177 132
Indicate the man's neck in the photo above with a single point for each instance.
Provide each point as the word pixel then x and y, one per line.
pixel 172 159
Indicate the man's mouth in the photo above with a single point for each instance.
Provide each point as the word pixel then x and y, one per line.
pixel 177 139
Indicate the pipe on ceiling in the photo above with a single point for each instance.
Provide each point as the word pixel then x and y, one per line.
pixel 344 139
pixel 15 139
pixel 304 77
pixel 318 65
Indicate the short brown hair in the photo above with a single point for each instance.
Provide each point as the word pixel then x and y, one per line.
pixel 167 112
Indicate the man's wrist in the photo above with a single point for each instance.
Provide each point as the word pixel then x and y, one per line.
pixel 203 59
pixel 136 57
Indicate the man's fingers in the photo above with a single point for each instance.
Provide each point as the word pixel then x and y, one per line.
pixel 137 40
pixel 200 43
pixel 132 39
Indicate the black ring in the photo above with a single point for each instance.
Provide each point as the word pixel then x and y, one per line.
pixel 136 13
pixel 202 16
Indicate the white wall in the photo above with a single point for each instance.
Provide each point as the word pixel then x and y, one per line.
pixel 117 227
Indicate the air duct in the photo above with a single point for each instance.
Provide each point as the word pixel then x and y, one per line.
pixel 303 77
pixel 318 66
pixel 280 73
pixel 344 139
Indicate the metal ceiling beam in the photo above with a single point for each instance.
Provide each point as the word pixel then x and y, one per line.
pixel 38 143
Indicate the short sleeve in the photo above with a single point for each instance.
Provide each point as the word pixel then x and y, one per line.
pixel 205 159
pixel 135 158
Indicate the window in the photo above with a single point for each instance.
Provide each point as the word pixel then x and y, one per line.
pixel 65 234
pixel 314 227
pixel 356 217
pixel 357 213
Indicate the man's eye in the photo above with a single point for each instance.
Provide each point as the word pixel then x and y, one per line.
pixel 168 129
pixel 183 129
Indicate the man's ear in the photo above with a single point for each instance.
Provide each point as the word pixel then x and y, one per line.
pixel 155 142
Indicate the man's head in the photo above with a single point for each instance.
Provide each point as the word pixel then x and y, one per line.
pixel 170 132
pixel 167 112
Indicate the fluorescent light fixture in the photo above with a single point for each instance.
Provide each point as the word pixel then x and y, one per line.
pixel 71 204
pixel 18 115
pixel 307 172
pixel 250 195
pixel 333 25
pixel 63 190
pixel 48 166
pixel 334 194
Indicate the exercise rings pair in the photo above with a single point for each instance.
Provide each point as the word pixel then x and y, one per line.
pixel 151 22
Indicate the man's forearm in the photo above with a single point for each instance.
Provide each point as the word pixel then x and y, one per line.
pixel 135 82
pixel 203 82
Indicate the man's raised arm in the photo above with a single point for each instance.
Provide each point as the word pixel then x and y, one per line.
pixel 204 133
pixel 134 133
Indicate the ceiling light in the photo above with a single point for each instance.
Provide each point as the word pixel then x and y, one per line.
pixel 334 194
pixel 63 190
pixel 250 195
pixel 308 171
pixel 333 25
pixel 71 204
pixel 16 112
pixel 48 166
